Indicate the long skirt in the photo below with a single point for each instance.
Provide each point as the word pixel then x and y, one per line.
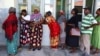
pixel 62 33
pixel 72 41
pixel 54 34
pixel 95 40
pixel 54 41
pixel 24 33
pixel 12 46
pixel 36 36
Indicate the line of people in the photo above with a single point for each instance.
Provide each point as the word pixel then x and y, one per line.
pixel 31 31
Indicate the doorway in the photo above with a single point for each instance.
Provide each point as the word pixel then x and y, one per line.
pixel 29 5
pixel 60 5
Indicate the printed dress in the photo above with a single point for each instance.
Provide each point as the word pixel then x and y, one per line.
pixel 36 31
pixel 24 32
pixel 54 31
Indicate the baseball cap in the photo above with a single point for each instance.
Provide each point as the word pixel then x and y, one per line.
pixel 88 8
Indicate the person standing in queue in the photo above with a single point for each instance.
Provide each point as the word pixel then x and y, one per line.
pixel 36 29
pixel 54 30
pixel 24 29
pixel 86 30
pixel 72 41
pixel 95 40
pixel 10 26
pixel 62 22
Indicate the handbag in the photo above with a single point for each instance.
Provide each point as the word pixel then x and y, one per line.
pixel 75 32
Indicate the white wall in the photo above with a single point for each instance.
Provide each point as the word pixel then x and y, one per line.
pixel 97 3
pixel 4 6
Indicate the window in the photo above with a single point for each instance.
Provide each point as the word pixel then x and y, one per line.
pixel 22 4
pixel 78 4
pixel 35 4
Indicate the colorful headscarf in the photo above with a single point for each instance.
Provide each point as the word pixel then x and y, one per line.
pixel 36 17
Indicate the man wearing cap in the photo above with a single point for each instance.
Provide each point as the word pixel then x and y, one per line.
pixel 86 30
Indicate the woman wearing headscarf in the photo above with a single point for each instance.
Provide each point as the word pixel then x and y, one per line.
pixel 95 40
pixel 24 28
pixel 62 22
pixel 10 28
pixel 36 29
pixel 72 41
pixel 54 30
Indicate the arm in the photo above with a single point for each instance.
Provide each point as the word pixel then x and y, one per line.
pixel 47 20
pixel 26 18
pixel 65 23
pixel 64 20
pixel 41 21
pixel 71 22
pixel 94 23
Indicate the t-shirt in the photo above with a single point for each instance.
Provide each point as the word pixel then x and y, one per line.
pixel 27 17
pixel 87 21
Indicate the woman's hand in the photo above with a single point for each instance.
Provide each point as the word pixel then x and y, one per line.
pixel 71 25
pixel 86 27
pixel 47 20
pixel 32 24
pixel 98 23
pixel 92 25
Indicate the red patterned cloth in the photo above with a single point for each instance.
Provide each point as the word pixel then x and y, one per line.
pixel 54 28
pixel 10 26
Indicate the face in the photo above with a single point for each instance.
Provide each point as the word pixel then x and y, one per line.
pixel 36 11
pixel 59 13
pixel 24 13
pixel 98 12
pixel 86 11
pixel 72 12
